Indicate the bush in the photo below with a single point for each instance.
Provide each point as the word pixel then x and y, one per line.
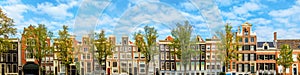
pixel 222 73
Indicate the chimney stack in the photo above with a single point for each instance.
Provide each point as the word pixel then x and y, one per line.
pixel 239 30
pixel 275 36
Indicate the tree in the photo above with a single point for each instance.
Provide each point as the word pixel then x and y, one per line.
pixel 227 46
pixel 38 38
pixel 66 50
pixel 146 43
pixel 285 58
pixel 182 42
pixel 6 29
pixel 103 48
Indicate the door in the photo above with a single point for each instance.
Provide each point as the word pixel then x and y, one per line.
pixel 295 69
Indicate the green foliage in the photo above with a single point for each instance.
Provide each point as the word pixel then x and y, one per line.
pixel 183 42
pixel 146 42
pixel 228 45
pixel 65 47
pixel 6 29
pixel 285 56
pixel 104 47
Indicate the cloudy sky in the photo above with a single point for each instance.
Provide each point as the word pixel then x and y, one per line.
pixel 124 17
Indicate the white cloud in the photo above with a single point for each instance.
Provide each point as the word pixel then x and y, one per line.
pixel 246 7
pixel 15 9
pixel 260 21
pixel 59 11
pixel 188 6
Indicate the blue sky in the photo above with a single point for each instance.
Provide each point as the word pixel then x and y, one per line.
pixel 124 17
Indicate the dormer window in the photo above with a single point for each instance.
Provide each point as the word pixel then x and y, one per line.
pixel 265 47
pixel 246 31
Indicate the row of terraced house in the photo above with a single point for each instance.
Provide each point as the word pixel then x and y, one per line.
pixel 256 58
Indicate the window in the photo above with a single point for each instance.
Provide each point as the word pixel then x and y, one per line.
pixel 88 66
pixel 240 55
pixel 162 47
pixel 29 52
pixel 162 66
pixel 252 57
pixel 197 66
pixel 246 31
pixel 172 56
pixel 261 66
pixel 123 55
pixel 167 65
pixel 261 57
pixel 172 66
pixel 246 40
pixel 246 57
pixel 8 69
pixel 247 47
pixel 251 48
pixel 252 39
pixel 208 48
pixel 266 67
pixel 192 65
pixel 246 67
pixel 240 48
pixel 168 56
pixel 265 47
pixel 115 56
pixel 14 46
pixel 203 47
pixel 115 64
pixel 15 57
pixel 202 66
pixel 208 67
pixel 85 49
pixel 15 68
pixel 218 67
pixel 267 57
pixel 88 56
pixel 136 55
pixel 240 68
pixel 213 47
pixel 129 55
pixel 233 65
pixel 177 65
pixel 8 58
pixel 83 56
pixel 240 40
pixel 272 66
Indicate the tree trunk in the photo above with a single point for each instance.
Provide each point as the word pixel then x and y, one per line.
pixel 147 68
pixel 100 69
pixel 67 69
pixel 284 69
pixel 40 64
pixel 226 67
pixel 184 70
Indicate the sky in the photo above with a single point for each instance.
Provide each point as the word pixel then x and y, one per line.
pixel 125 17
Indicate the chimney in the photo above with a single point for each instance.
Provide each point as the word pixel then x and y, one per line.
pixel 275 36
pixel 239 29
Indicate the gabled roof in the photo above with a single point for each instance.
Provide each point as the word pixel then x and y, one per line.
pixel 169 38
pixel 199 38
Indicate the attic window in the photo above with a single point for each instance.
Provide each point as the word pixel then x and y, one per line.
pixel 246 32
pixel 265 47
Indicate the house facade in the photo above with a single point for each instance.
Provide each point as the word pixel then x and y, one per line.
pixel 9 60
pixel 170 63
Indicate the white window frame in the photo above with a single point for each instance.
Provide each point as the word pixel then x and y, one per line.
pixel 246 57
pixel 251 48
